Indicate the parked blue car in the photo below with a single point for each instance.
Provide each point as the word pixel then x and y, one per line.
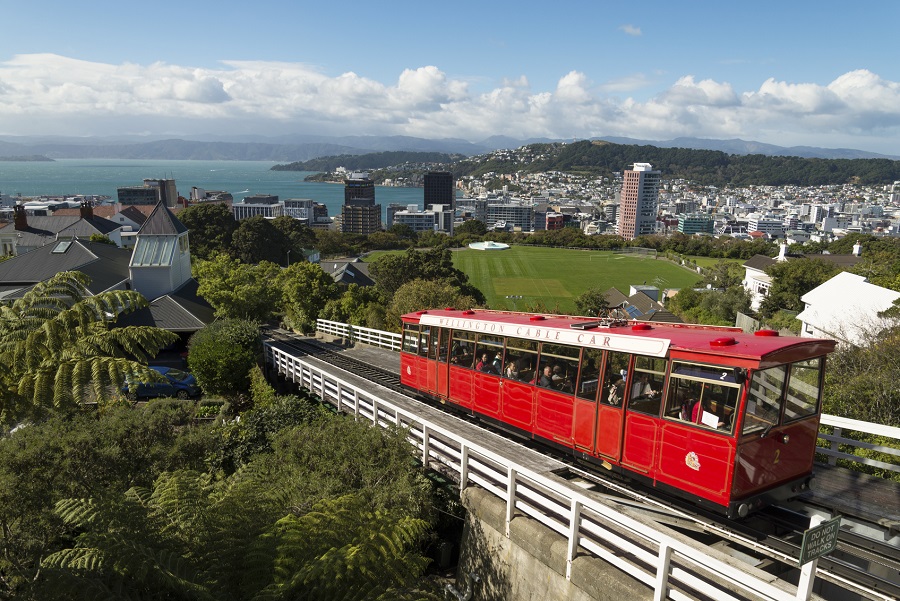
pixel 179 384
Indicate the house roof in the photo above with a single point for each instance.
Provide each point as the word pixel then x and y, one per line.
pixel 105 264
pixel 846 306
pixel 179 311
pixel 759 262
pixel 162 222
pixel 41 229
pixel 349 272
pixel 640 306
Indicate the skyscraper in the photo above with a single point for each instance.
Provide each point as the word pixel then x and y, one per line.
pixel 360 214
pixel 638 202
pixel 439 189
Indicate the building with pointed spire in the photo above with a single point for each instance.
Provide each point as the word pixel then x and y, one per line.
pixel 161 261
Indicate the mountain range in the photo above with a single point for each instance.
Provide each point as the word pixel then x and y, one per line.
pixel 290 148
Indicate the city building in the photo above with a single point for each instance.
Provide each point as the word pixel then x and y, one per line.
pixel 265 205
pixel 696 223
pixel 440 189
pixel 152 192
pixel 770 225
pixel 516 216
pixel 638 201
pixel 438 218
pixel 360 214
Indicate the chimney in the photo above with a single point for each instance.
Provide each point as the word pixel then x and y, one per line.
pixel 782 255
pixel 20 220
pixel 87 209
pixel 857 249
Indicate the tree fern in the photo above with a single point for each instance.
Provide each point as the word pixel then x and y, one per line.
pixel 56 341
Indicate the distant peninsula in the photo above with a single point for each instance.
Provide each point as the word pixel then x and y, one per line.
pixel 31 158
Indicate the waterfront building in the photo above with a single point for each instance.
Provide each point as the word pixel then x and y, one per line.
pixel 152 192
pixel 438 218
pixel 440 189
pixel 265 205
pixel 639 197
pixel 360 214
pixel 300 208
pixel 517 216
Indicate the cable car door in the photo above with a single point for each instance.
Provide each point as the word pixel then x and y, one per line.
pixel 610 408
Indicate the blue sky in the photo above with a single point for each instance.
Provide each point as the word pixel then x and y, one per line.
pixel 788 73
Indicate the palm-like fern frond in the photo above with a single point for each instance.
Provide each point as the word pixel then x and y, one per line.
pixel 57 341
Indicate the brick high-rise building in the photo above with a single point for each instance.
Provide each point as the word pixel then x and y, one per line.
pixel 638 202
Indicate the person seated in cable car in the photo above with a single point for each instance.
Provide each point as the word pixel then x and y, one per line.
pixel 642 388
pixel 546 380
pixel 487 364
pixel 703 415
pixel 511 371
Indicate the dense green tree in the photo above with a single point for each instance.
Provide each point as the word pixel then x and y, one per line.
pixel 331 243
pixel 474 227
pixel 722 275
pixel 222 354
pixel 404 232
pixel 591 302
pixel 305 290
pixel 256 240
pixel 238 290
pixel 426 294
pixel 394 270
pixel 299 236
pixel 58 347
pixel 359 306
pixel 791 280
pixel 210 227
pixel 94 455
pixel 710 306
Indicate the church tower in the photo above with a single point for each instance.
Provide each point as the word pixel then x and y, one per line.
pixel 161 261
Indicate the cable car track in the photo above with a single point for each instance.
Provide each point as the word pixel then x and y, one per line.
pixel 759 539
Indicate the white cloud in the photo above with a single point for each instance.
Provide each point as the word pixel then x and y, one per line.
pixel 630 30
pixel 46 93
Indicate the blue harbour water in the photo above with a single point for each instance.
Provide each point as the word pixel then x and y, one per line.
pixel 241 178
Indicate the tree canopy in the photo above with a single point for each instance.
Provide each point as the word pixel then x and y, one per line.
pixel 238 290
pixel 210 228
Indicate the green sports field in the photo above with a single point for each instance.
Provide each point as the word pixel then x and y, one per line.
pixel 555 275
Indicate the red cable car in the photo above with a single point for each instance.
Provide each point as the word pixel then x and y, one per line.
pixel 725 419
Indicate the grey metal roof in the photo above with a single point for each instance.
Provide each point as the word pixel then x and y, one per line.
pixel 105 264
pixel 162 222
pixel 179 311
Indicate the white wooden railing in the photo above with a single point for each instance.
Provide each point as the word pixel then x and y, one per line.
pixel 842 426
pixel 670 566
pixel 370 336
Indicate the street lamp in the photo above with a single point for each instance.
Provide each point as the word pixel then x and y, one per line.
pixel 288 258
pixel 514 298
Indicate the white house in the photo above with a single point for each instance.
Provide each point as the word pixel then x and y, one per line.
pixel 845 308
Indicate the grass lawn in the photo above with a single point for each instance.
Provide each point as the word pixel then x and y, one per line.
pixel 556 275
pixel 709 261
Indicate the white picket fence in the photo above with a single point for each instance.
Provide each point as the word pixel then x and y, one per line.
pixel 673 568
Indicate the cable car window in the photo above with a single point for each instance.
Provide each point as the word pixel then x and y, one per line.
pixel 615 370
pixel 434 344
pixel 803 390
pixel 647 385
pixel 523 356
pixel 462 349
pixel 764 399
pixel 411 338
pixel 589 378
pixel 489 354
pixel 443 346
pixel 559 367
pixel 424 341
pixel 704 395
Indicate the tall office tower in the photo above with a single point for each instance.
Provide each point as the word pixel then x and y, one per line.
pixel 638 203
pixel 439 189
pixel 152 192
pixel 360 214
